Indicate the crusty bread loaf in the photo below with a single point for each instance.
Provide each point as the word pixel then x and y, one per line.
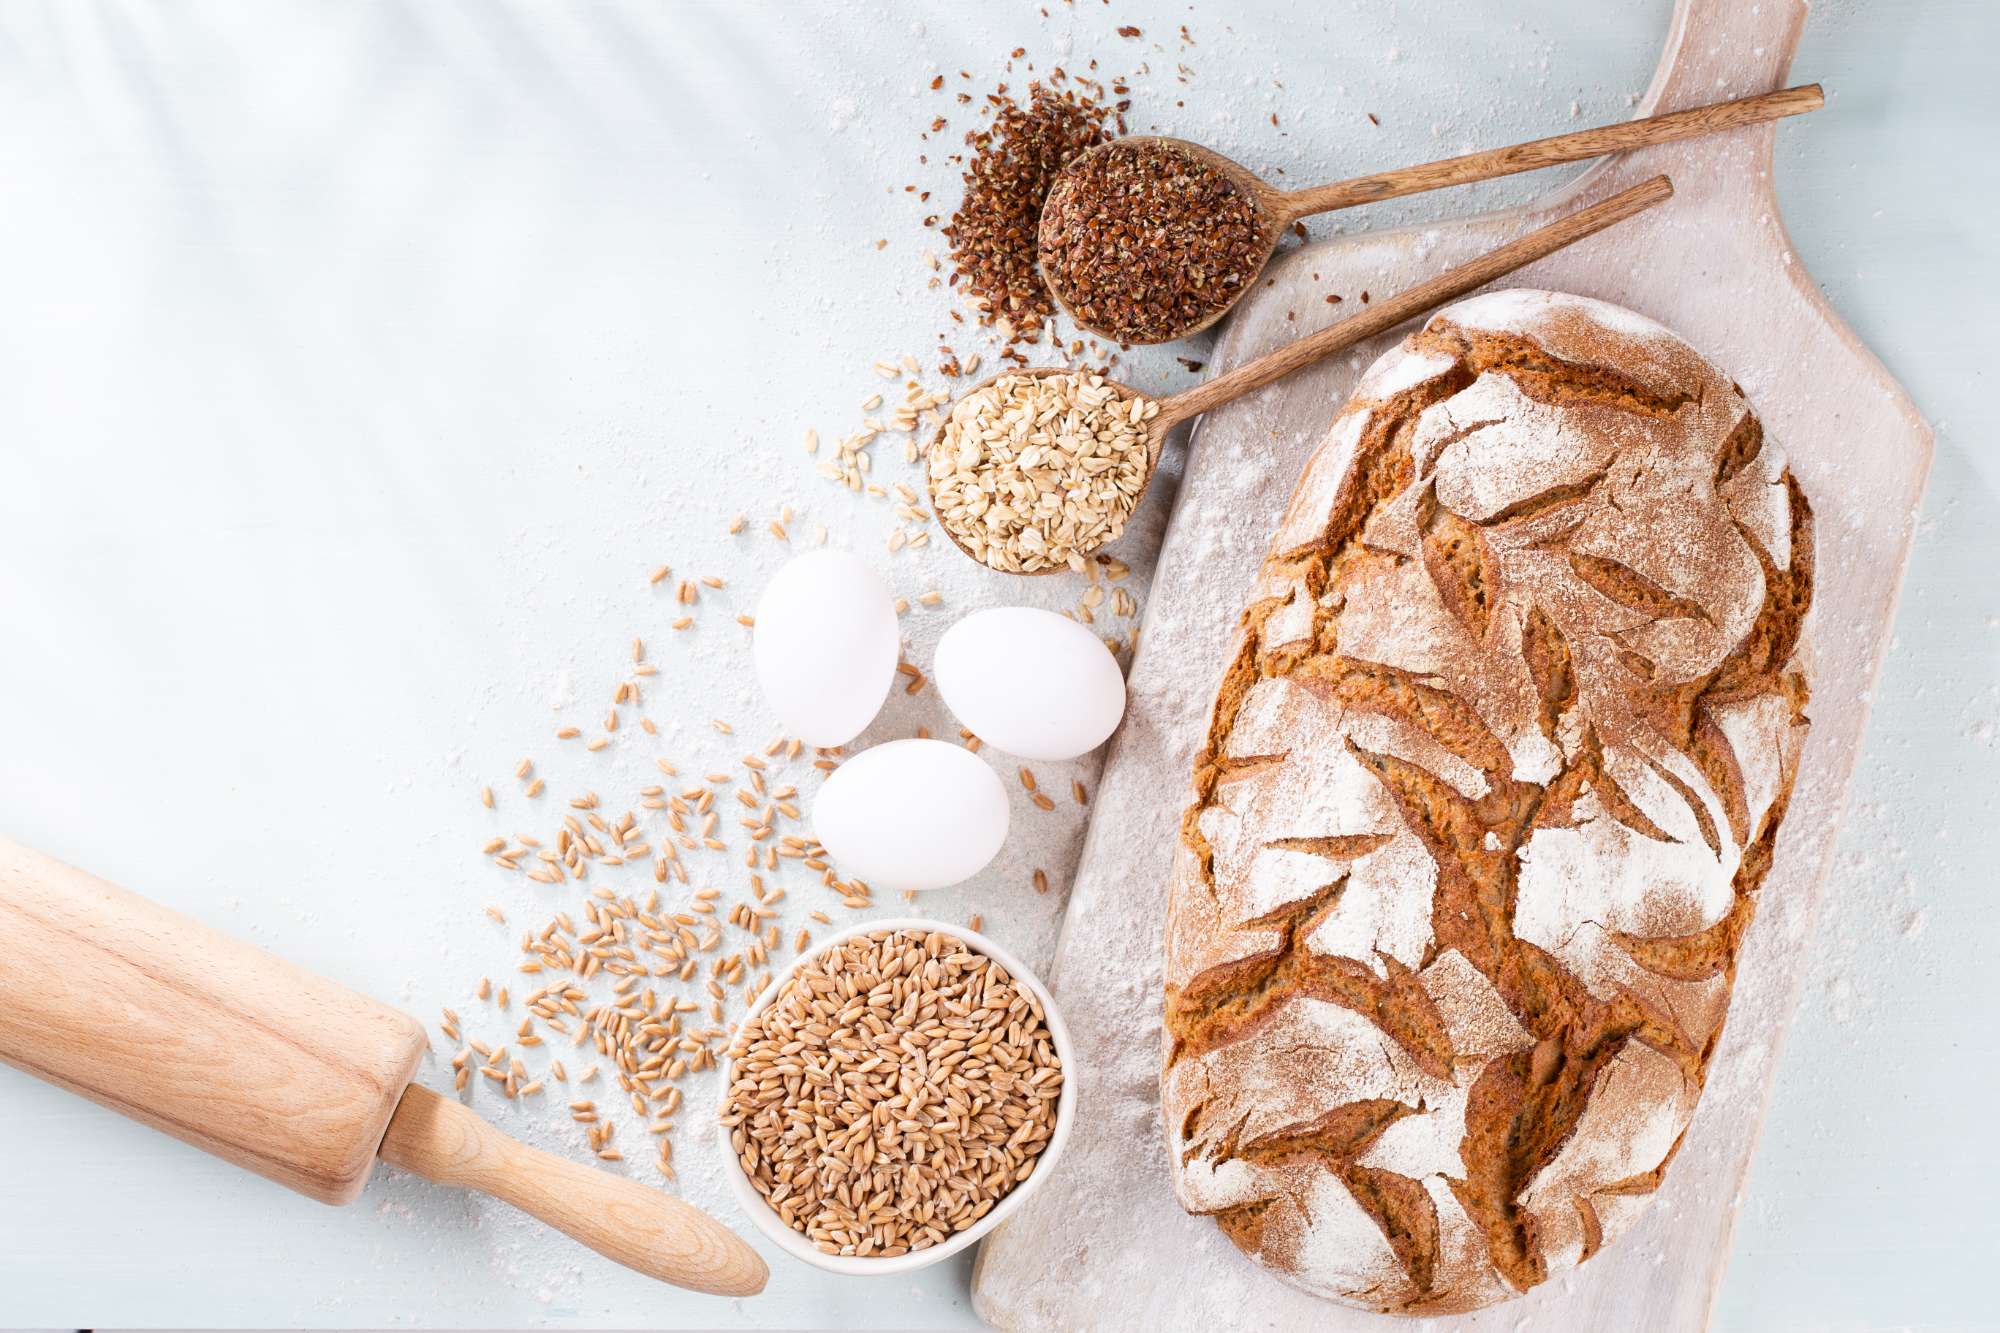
pixel 1490 784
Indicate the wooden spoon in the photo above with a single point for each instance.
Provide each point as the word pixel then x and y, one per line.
pixel 1278 209
pixel 1379 317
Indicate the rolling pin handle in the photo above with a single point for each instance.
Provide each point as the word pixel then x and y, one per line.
pixel 645 1230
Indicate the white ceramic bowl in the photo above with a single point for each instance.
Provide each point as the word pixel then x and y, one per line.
pixel 795 1243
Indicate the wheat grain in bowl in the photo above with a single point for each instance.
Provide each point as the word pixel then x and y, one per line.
pixel 1034 472
pixel 894 1096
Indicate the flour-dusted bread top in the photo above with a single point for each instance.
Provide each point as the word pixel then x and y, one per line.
pixel 1489 787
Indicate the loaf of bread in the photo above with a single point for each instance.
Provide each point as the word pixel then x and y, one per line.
pixel 1488 790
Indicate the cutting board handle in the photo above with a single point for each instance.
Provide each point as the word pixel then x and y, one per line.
pixel 1718 49
pixel 1715 50
pixel 643 1229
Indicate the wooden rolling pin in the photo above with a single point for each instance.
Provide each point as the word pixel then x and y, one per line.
pixel 282 1071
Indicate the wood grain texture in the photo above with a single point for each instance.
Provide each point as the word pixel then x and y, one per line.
pixel 1278 209
pixel 1404 305
pixel 641 1228
pixel 210 1039
pixel 1716 267
pixel 1556 149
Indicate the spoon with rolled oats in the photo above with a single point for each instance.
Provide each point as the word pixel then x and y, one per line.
pixel 1033 470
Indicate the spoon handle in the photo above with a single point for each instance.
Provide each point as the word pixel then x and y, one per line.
pixel 1574 147
pixel 1387 314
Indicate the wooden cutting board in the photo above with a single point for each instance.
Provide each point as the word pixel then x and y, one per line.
pixel 1104 1245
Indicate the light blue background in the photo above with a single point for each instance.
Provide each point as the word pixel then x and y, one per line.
pixel 352 354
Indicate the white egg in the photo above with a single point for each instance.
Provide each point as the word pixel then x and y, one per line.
pixel 1030 682
pixel 826 646
pixel 911 815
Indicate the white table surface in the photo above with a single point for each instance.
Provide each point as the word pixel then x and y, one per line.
pixel 358 360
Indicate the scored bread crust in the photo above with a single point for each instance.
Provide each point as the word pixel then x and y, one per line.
pixel 1490 783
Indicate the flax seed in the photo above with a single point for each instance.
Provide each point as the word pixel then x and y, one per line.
pixel 1013 162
